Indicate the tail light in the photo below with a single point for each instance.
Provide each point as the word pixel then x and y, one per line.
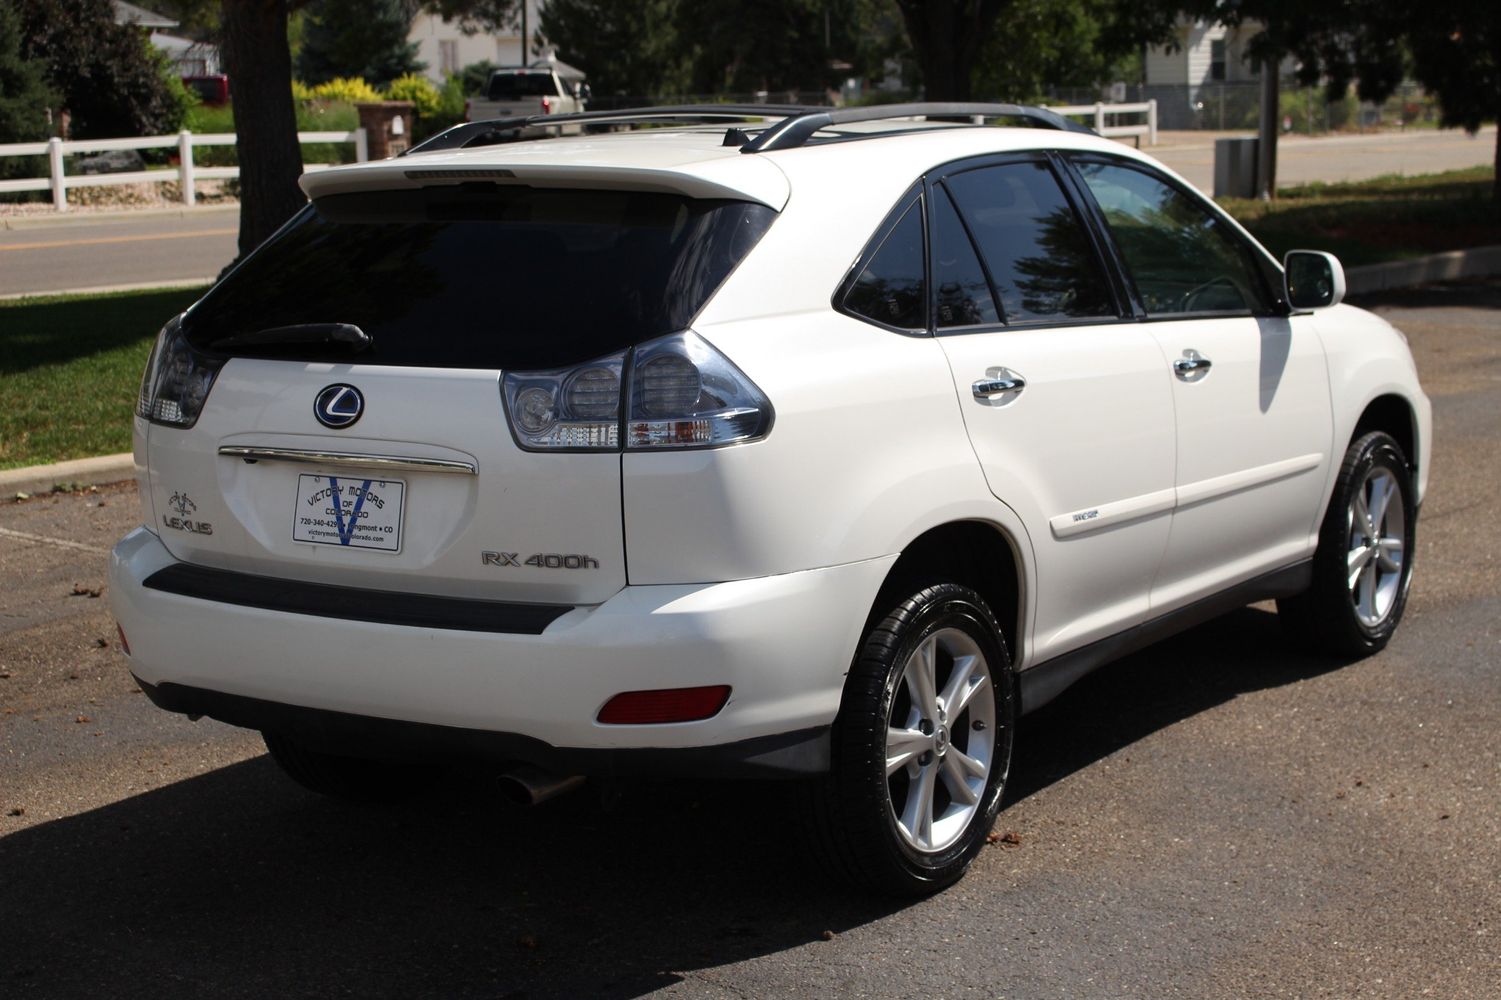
pixel 547 105
pixel 674 392
pixel 176 381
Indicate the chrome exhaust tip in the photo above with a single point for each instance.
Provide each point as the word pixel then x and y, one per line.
pixel 526 785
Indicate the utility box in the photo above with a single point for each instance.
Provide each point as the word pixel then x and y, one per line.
pixel 1235 168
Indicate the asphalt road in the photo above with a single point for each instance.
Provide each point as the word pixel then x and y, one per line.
pixel 75 253
pixel 1219 816
pixel 1301 159
pixel 78 253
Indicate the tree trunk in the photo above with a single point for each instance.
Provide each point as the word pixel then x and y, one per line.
pixel 1496 173
pixel 946 36
pixel 259 63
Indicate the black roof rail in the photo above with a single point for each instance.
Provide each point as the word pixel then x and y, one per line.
pixel 486 132
pixel 796 125
pixel 795 130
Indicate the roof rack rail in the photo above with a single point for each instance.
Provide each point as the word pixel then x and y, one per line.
pixel 485 133
pixel 795 130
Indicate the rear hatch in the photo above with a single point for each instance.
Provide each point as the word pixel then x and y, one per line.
pixel 349 381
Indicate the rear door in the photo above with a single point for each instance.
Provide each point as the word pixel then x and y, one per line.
pixel 1066 399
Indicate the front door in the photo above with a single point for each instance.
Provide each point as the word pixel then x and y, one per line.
pixel 1250 388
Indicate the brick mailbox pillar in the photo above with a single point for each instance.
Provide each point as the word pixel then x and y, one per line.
pixel 387 125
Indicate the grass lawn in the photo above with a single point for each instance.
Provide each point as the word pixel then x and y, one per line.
pixel 70 368
pixel 1388 218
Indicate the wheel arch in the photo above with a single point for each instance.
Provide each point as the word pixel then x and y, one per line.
pixel 981 555
pixel 1394 414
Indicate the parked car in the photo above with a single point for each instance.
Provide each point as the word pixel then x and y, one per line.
pixel 802 443
pixel 212 89
pixel 543 88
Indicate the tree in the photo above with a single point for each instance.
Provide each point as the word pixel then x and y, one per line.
pixel 1456 55
pixel 254 38
pixel 648 48
pixel 947 36
pixel 104 73
pixel 363 38
pixel 1069 43
pixel 629 47
pixel 259 62
pixel 24 95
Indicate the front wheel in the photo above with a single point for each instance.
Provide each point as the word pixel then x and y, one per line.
pixel 921 747
pixel 1363 563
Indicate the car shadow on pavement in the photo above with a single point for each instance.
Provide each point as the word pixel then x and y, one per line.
pixel 1123 702
pixel 237 883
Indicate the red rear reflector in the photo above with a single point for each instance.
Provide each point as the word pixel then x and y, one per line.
pixel 123 644
pixel 644 708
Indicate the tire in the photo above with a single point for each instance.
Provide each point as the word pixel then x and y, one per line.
pixel 354 779
pixel 1363 564
pixel 914 828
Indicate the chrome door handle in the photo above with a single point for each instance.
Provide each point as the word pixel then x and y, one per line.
pixel 1192 366
pixel 997 382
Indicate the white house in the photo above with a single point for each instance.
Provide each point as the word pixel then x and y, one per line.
pixel 446 49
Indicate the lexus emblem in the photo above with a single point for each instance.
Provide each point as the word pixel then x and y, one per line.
pixel 338 405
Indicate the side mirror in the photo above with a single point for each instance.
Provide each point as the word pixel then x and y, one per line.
pixel 1315 280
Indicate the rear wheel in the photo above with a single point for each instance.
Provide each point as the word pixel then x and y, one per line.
pixel 356 779
pixel 921 748
pixel 1363 564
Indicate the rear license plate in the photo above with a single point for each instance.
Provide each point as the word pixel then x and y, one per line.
pixel 349 511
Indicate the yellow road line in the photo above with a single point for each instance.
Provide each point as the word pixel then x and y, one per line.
pixel 118 239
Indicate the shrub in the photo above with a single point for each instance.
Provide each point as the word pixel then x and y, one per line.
pixel 350 90
pixel 417 89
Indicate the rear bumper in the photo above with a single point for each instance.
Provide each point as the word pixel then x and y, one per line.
pixel 782 643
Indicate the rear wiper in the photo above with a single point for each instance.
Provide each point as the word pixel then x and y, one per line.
pixel 298 333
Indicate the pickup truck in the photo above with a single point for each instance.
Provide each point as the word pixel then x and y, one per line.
pixel 516 91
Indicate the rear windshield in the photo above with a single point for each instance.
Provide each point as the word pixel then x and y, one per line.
pixel 482 275
pixel 512 86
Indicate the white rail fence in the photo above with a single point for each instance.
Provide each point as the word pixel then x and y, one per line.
pixel 1102 113
pixel 185 173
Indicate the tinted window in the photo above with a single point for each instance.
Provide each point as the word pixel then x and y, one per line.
pixel 513 86
pixel 963 291
pixel 1035 248
pixel 890 288
pixel 1182 257
pixel 485 276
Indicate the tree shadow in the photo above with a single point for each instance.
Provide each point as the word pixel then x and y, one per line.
pixel 36 334
pixel 238 883
pixel 1476 293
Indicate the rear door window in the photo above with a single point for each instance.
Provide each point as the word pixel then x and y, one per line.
pixel 962 288
pixel 483 275
pixel 1038 254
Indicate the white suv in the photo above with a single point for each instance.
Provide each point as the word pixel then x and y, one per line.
pixel 769 442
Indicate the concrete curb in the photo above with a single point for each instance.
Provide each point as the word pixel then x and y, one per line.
pixel 76 217
pixel 166 284
pixel 82 471
pixel 1477 262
